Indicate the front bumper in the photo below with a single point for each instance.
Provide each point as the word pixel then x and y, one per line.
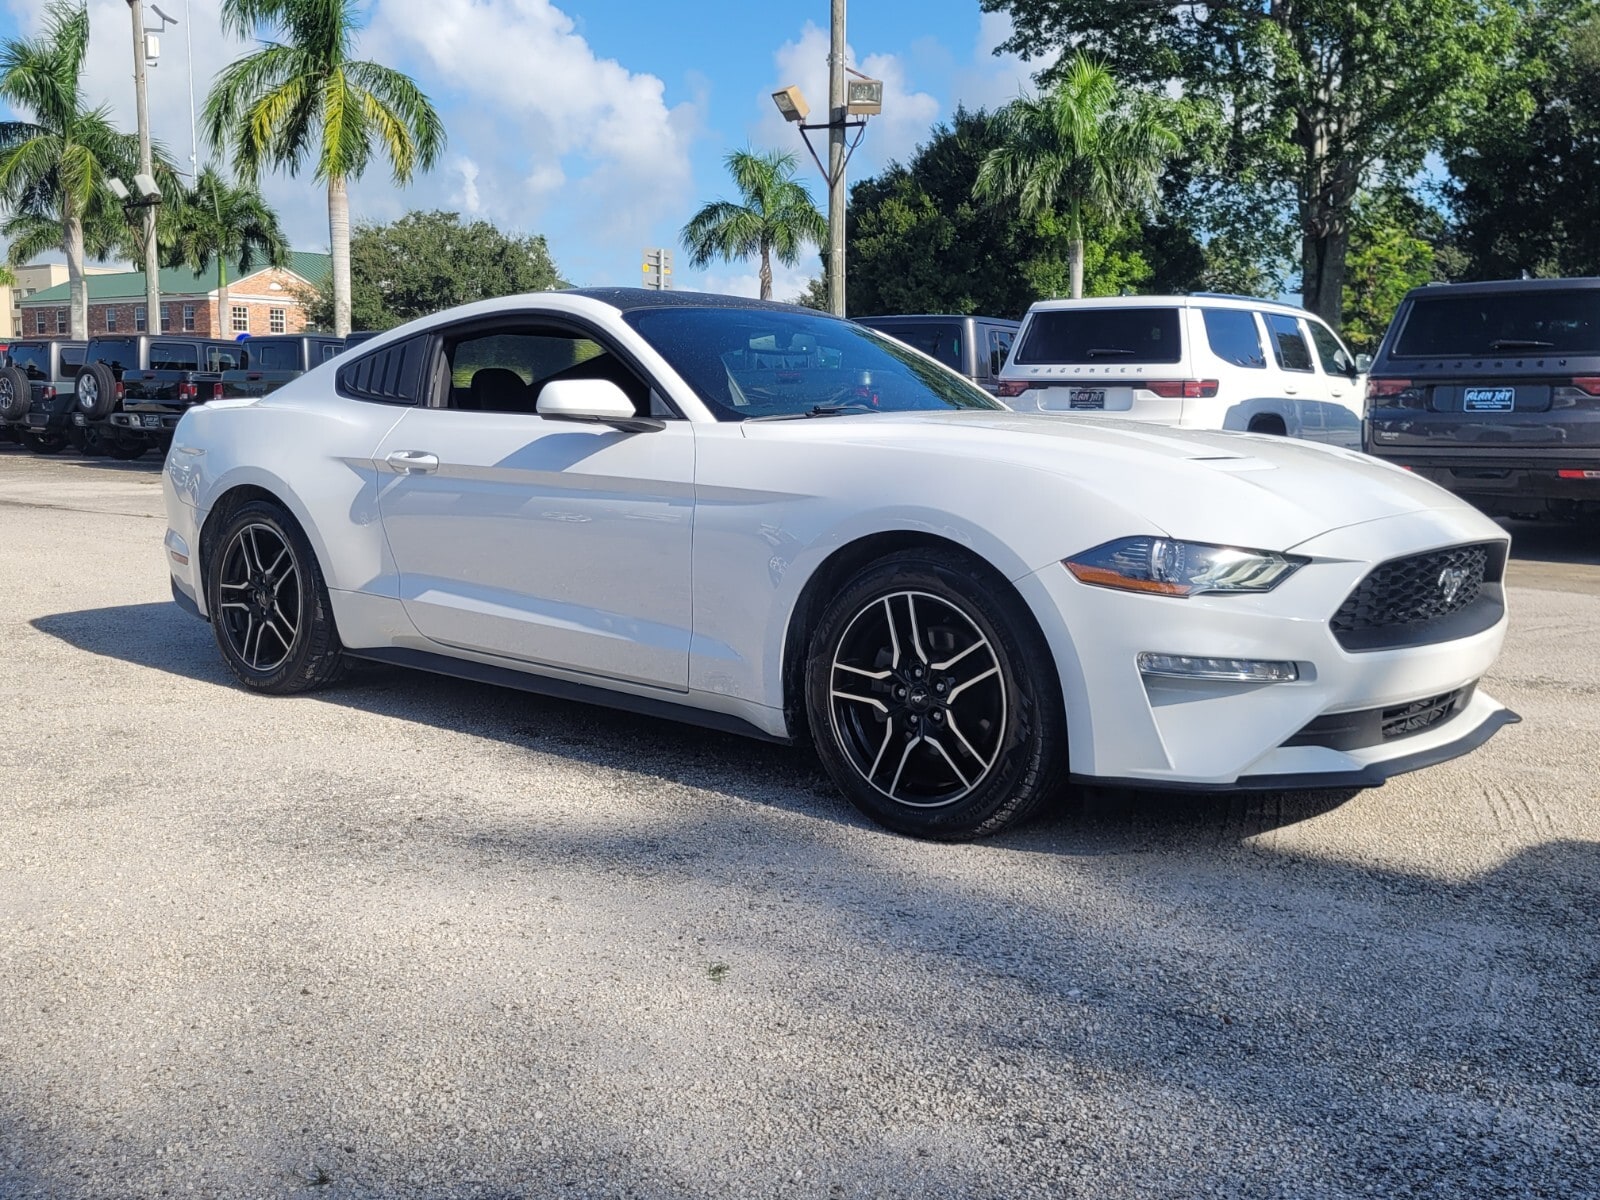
pixel 1125 728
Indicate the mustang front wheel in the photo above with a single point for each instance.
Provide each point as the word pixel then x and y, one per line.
pixel 930 701
pixel 269 604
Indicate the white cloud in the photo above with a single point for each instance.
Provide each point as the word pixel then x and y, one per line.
pixel 991 80
pixel 471 202
pixel 561 137
pixel 787 282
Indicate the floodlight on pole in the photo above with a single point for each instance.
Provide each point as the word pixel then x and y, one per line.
pixel 149 189
pixel 791 104
pixel 852 98
pixel 118 189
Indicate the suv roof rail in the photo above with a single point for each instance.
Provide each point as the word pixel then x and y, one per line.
pixel 1237 296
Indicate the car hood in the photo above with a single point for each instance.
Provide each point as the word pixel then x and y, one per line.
pixel 1251 489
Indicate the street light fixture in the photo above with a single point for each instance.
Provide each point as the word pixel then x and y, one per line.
pixel 860 97
pixel 791 104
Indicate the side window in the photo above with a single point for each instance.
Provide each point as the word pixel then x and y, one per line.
pixel 276 356
pixel 504 370
pixel 71 361
pixel 232 357
pixel 999 349
pixel 1289 343
pixel 1233 337
pixel 392 375
pixel 1336 360
pixel 174 356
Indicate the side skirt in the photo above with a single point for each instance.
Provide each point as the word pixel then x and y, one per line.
pixel 563 689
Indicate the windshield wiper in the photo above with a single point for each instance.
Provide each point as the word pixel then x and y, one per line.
pixel 1096 351
pixel 1519 344
pixel 817 410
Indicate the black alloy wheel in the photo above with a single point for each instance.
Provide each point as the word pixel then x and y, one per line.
pixel 931 701
pixel 269 605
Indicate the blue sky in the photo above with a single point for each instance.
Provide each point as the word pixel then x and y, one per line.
pixel 601 124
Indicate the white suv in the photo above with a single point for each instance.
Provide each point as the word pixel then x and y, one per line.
pixel 1202 361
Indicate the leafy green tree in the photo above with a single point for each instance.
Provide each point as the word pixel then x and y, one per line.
pixel 54 167
pixel 1322 96
pixel 775 217
pixel 1086 151
pixel 1524 180
pixel 220 222
pixel 1392 250
pixel 305 98
pixel 427 261
pixel 920 242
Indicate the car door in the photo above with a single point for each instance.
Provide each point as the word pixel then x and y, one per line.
pixel 550 542
pixel 993 356
pixel 1341 417
pixel 1298 378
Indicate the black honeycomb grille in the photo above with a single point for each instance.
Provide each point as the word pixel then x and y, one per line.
pixel 1414 590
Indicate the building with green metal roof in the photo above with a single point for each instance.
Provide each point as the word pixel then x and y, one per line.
pixel 263 300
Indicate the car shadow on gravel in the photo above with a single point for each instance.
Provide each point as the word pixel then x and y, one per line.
pixel 1554 541
pixel 1083 822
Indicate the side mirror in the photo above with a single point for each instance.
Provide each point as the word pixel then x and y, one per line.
pixel 596 401
pixel 1363 364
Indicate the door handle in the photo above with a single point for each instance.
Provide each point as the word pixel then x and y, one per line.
pixel 1291 391
pixel 413 462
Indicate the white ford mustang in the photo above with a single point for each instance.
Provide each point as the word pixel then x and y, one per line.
pixel 763 519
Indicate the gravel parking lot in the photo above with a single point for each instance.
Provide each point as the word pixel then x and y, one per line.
pixel 414 937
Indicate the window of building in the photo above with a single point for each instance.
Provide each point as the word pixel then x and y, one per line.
pixel 111 318
pixel 139 321
pixel 166 318
pixel 188 318
pixel 38 320
pixel 277 320
pixel 241 318
pixel 61 320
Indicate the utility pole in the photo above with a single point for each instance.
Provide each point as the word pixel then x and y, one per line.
pixel 152 269
pixel 836 160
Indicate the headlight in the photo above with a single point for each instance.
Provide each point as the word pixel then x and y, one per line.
pixel 1172 568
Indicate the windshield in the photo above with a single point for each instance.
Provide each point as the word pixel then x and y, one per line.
pixel 755 362
pixel 1559 321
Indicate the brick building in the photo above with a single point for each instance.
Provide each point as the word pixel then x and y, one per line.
pixel 268 300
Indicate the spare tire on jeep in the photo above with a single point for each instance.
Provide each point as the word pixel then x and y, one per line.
pixel 97 390
pixel 16 394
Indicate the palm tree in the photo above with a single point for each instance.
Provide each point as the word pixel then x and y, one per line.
pixel 220 222
pixel 1087 150
pixel 305 97
pixel 777 217
pixel 53 168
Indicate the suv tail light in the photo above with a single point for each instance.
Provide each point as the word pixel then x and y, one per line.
pixel 1012 388
pixel 1382 389
pixel 1589 385
pixel 188 391
pixel 216 391
pixel 1181 389
pixel 49 392
pixel 120 392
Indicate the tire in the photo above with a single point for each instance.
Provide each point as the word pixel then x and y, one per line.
pixel 16 394
pixel 123 449
pixel 51 441
pixel 269 605
pixel 97 390
pixel 931 700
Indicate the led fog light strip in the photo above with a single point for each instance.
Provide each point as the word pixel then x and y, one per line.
pixel 1234 670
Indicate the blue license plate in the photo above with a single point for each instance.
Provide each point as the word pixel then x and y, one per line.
pixel 1489 399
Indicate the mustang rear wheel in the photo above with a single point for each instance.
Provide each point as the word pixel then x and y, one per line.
pixel 931 701
pixel 269 604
